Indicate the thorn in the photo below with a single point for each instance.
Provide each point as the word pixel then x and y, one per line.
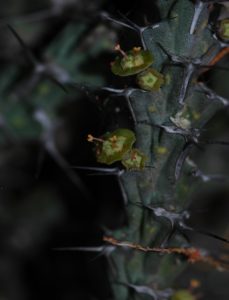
pixel 128 24
pixel 181 159
pixel 108 171
pixel 222 143
pixel 199 6
pixel 168 238
pixel 221 43
pixel 211 95
pixel 193 133
pixel 189 69
pixel 204 177
pixel 160 212
pixel 174 58
pixel 136 27
pixel 214 177
pixel 122 190
pixel 127 94
pixel 31 58
pixel 188 72
pixel 89 91
pixel 140 30
pixel 189 135
pixel 38 16
pixel 170 10
pixel 102 171
pixel 210 234
pixel 176 221
pixel 87 249
pixel 106 16
pixel 85 88
pixel 105 250
pixel 52 71
pixel 140 289
pixel 121 92
pixel 58 83
pixel 99 169
pixel 207 233
pixel 189 65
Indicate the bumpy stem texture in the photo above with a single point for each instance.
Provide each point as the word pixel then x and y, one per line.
pixel 178 55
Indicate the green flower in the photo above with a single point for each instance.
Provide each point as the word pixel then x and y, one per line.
pixel 150 80
pixel 112 146
pixel 132 62
pixel 134 160
pixel 224 29
pixel 183 295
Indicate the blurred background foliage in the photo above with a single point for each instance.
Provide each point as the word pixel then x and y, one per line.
pixel 46 112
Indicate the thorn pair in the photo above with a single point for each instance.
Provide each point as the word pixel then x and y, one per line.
pixel 127 95
pixel 149 291
pixel 52 71
pixel 177 222
pixel 128 24
pixel 210 94
pixel 190 65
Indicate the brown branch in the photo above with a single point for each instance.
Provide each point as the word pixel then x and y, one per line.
pixel 217 58
pixel 192 254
